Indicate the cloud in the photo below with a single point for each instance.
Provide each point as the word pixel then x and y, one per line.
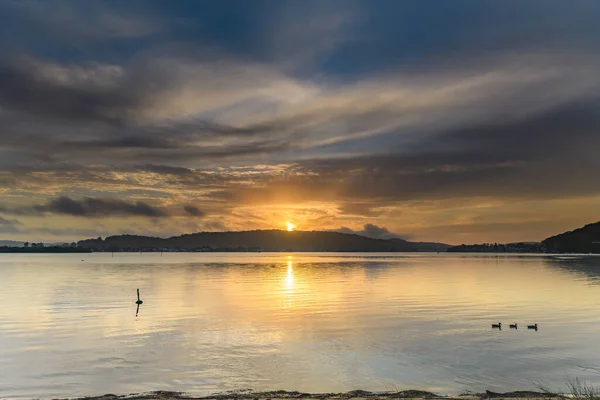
pixel 216 226
pixel 547 154
pixel 76 23
pixel 194 211
pixel 9 225
pixel 96 207
pixel 309 32
pixel 366 209
pixel 374 231
pixel 77 112
pixel 76 93
pixel 166 169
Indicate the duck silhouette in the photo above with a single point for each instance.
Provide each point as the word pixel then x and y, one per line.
pixel 534 326
pixel 514 326
pixel 497 326
pixel 138 302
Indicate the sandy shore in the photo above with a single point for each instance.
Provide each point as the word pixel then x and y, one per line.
pixel 353 395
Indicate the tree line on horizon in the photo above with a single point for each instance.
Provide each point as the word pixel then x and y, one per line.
pixel 582 240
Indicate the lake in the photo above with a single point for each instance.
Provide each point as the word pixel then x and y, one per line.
pixel 314 322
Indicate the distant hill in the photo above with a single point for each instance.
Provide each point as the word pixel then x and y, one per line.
pixel 427 246
pixel 258 240
pixel 582 240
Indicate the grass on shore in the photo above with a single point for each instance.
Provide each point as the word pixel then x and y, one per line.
pixel 577 389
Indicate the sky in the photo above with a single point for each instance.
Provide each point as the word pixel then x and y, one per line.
pixel 451 121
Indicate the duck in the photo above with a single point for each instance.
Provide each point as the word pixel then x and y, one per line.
pixel 534 326
pixel 498 325
pixel 138 302
pixel 514 326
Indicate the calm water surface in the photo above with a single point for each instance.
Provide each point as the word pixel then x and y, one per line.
pixel 309 322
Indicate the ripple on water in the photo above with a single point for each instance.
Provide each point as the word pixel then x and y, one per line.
pixel 309 322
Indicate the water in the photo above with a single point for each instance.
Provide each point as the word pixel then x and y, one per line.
pixel 308 322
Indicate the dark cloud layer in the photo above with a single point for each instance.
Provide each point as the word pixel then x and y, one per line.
pixel 24 88
pixel 544 156
pixel 194 211
pixel 9 225
pixel 96 207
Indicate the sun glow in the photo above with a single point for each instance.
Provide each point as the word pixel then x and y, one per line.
pixel 290 226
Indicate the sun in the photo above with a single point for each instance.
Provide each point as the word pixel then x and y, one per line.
pixel 290 226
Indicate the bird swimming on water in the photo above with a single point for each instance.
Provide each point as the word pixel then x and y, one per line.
pixel 498 325
pixel 534 326
pixel 138 302
pixel 514 326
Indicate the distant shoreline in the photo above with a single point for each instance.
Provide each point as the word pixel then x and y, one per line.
pixel 63 250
